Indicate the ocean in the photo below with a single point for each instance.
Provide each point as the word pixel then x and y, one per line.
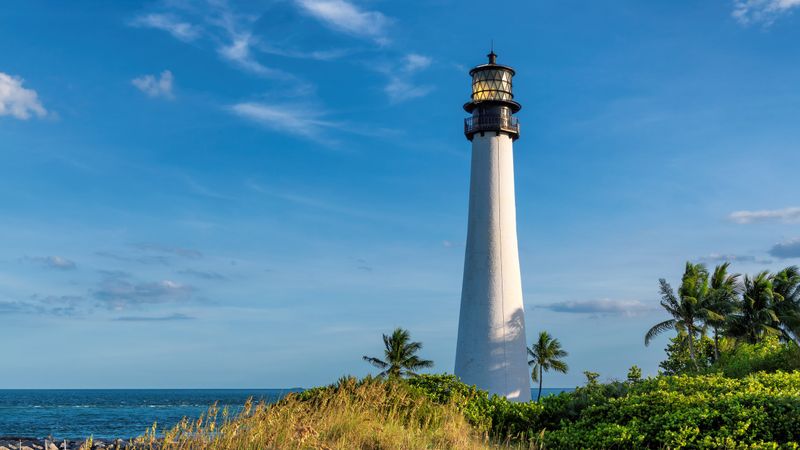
pixel 118 413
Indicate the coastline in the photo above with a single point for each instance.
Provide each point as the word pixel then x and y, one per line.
pixel 23 443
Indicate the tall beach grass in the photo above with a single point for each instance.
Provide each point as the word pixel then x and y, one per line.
pixel 368 414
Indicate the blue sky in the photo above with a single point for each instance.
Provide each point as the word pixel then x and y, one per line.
pixel 221 194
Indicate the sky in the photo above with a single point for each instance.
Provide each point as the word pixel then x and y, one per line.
pixel 248 194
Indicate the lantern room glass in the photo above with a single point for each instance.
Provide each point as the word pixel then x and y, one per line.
pixel 492 84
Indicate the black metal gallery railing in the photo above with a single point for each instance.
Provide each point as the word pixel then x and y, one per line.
pixel 496 123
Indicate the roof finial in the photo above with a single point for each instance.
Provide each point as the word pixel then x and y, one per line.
pixel 492 56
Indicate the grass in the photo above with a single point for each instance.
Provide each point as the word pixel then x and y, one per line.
pixel 369 414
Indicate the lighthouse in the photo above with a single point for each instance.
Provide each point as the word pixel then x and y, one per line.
pixel 491 350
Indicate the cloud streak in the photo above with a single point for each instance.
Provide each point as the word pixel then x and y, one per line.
pixel 786 249
pixel 156 86
pixel 238 52
pixel 180 30
pixel 729 257
pixel 203 275
pixel 601 307
pixel 348 18
pixel 291 119
pixel 167 318
pixel 53 262
pixel 764 12
pixel 140 259
pixel 15 307
pixel 400 88
pixel 177 251
pixel 17 101
pixel 118 292
pixel 787 215
pixel 62 305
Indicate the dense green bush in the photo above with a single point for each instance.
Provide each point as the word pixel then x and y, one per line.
pixel 709 411
pixel 493 415
pixel 770 355
pixel 698 411
pixel 678 360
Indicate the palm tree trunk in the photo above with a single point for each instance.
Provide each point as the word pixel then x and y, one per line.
pixel 691 348
pixel 540 385
pixel 716 345
pixel 788 336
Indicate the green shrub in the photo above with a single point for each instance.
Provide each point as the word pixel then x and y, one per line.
pixel 687 411
pixel 678 360
pixel 770 355
pixel 634 374
pixel 708 411
pixel 493 415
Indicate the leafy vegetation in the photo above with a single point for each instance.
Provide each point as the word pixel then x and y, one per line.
pixel 546 353
pixel 760 308
pixel 731 380
pixel 678 360
pixel 701 411
pixel 769 355
pixel 634 374
pixel 366 414
pixel 400 356
pixel 687 309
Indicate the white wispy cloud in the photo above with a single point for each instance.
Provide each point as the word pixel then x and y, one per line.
pixel 786 249
pixel 64 305
pixel 400 90
pixel 155 86
pixel 320 202
pixel 119 292
pixel 180 30
pixel 763 12
pixel 414 62
pixel 789 215
pixel 726 257
pixel 238 52
pixel 177 251
pixel 167 318
pixel 299 121
pixel 17 101
pixel 719 258
pixel 346 17
pixel 53 262
pixel 204 274
pixel 601 307
pixel 230 32
pixel 401 86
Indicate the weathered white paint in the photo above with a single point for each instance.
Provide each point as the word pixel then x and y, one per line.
pixel 491 351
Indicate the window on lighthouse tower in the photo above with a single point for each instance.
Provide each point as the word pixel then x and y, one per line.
pixel 491 84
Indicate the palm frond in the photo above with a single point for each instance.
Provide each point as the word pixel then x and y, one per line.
pixel 380 364
pixel 657 329
pixel 560 366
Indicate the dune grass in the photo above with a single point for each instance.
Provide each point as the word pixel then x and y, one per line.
pixel 369 414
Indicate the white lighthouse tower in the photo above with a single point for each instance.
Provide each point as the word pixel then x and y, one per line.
pixel 491 351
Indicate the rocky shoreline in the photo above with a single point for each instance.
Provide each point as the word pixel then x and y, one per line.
pixel 22 443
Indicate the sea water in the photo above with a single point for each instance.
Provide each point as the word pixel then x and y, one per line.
pixel 119 413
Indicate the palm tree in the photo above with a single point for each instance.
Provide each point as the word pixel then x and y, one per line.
pixel 786 285
pixel 546 354
pixel 720 302
pixel 686 309
pixel 400 357
pixel 756 316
